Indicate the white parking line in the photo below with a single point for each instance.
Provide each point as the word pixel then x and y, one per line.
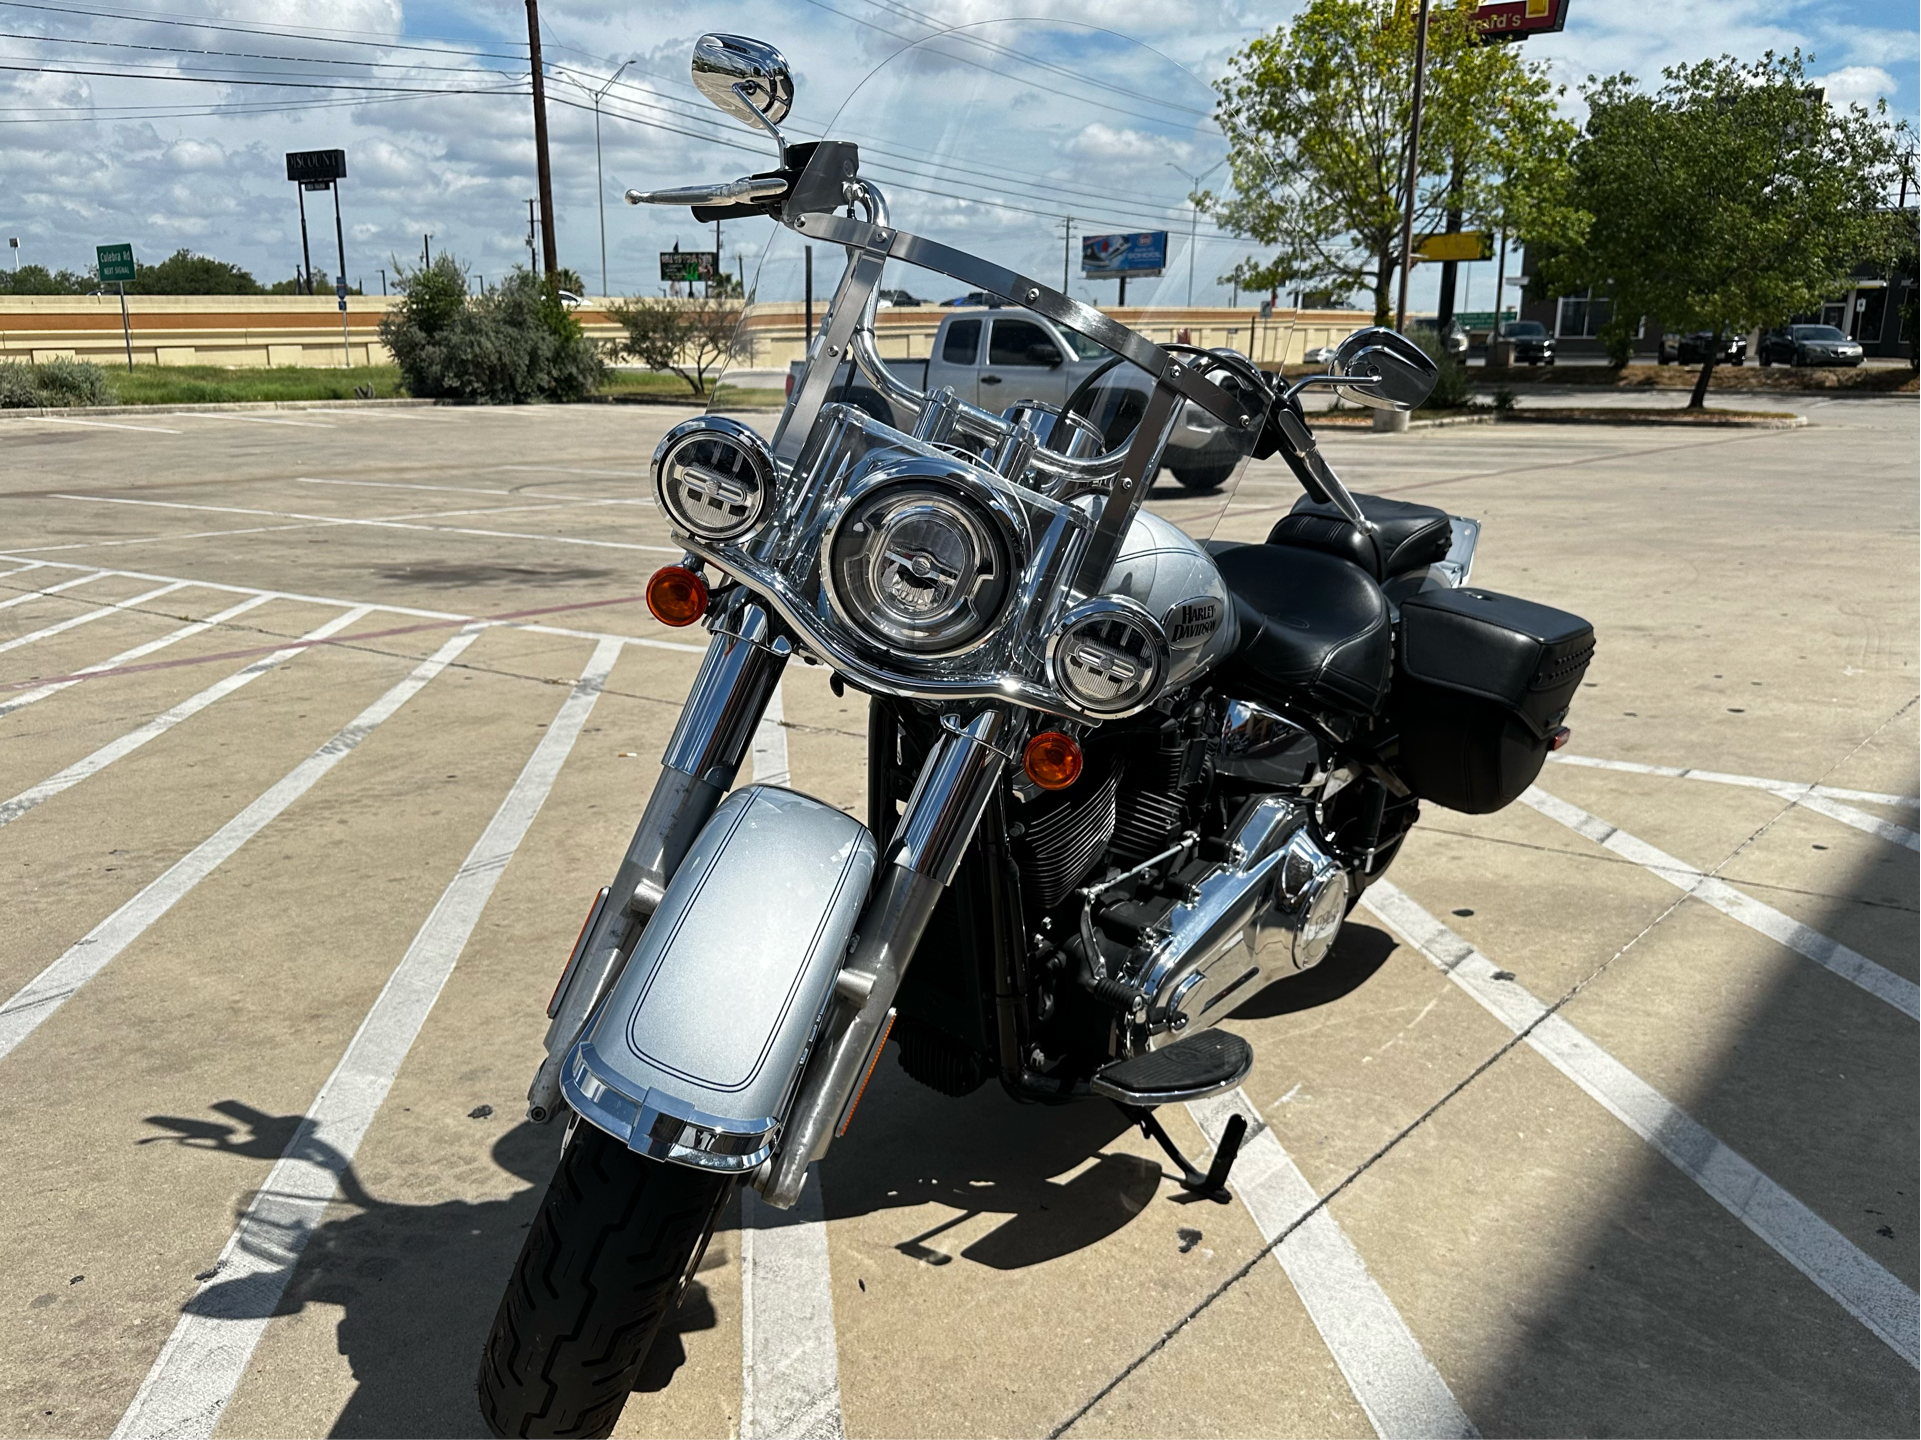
pixel 1753 782
pixel 1390 1375
pixel 139 652
pixel 213 1342
pixel 770 743
pixel 789 1363
pixel 1859 819
pixel 248 419
pixel 55 985
pixel 95 573
pixel 378 524
pixel 1862 1287
pixel 62 586
pixel 1850 965
pixel 91 424
pixel 112 607
pixel 11 810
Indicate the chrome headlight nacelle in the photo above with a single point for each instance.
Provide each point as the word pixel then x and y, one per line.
pixel 714 478
pixel 1109 656
pixel 920 560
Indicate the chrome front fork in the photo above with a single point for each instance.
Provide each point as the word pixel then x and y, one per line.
pixel 743 665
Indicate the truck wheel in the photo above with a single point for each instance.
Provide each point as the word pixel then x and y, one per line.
pixel 603 1266
pixel 1204 478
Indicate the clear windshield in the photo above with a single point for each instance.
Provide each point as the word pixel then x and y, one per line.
pixel 1063 152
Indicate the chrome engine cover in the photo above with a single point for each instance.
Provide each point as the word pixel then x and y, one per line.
pixel 1270 910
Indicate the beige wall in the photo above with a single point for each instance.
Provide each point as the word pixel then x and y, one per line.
pixel 300 330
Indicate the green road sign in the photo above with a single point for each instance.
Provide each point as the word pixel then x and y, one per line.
pixel 116 262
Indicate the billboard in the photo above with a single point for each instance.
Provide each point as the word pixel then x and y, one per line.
pixel 1108 257
pixel 315 168
pixel 689 264
pixel 1455 245
pixel 1518 19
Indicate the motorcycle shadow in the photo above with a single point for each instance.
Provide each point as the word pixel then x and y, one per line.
pixel 415 1286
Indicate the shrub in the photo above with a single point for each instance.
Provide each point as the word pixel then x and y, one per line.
pixel 1453 390
pixel 513 345
pixel 1503 398
pixel 53 383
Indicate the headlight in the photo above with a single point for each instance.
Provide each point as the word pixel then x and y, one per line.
pixel 714 478
pixel 919 566
pixel 1109 656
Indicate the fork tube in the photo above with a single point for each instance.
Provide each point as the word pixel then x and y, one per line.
pixel 743 665
pixel 954 787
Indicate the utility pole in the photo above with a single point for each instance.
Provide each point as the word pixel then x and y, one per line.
pixel 1067 244
pixel 541 167
pixel 720 276
pixel 426 253
pixel 1413 163
pixel 533 230
pixel 600 176
pixel 1451 269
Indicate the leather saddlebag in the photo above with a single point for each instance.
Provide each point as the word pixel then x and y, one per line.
pixel 1482 683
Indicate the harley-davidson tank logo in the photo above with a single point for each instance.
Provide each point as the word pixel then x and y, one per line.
pixel 1189 623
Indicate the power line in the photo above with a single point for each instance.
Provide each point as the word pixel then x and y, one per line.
pixel 163 17
pixel 273 84
pixel 244 54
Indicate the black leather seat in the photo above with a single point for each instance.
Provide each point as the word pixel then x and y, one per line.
pixel 1407 536
pixel 1311 626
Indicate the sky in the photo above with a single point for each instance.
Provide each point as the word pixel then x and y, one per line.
pixel 163 122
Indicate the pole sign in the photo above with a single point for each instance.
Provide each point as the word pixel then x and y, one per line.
pixel 1455 245
pixel 316 169
pixel 689 265
pixel 116 263
pixel 1518 19
pixel 1110 257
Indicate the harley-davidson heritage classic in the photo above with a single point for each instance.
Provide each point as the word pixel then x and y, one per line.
pixel 1121 776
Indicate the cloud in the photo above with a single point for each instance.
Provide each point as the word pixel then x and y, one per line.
pixel 1856 84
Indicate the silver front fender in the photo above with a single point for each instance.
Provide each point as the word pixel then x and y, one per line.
pixel 694 1055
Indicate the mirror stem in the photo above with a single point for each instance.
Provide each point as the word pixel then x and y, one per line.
pixel 745 90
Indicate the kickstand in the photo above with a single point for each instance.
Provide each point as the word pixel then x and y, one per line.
pixel 1213 1184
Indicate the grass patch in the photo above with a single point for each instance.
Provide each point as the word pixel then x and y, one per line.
pixel 218 385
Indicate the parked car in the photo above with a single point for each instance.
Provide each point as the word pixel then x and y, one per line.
pixel 1808 345
pixel 1319 355
pixel 996 361
pixel 1453 338
pixel 899 297
pixel 975 299
pixel 1532 344
pixel 1692 348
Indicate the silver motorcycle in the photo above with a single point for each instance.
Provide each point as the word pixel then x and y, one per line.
pixel 1121 775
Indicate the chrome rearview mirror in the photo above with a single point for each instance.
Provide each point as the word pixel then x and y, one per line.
pixel 749 79
pixel 1384 369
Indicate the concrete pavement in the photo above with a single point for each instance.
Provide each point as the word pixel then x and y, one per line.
pixel 1557 1143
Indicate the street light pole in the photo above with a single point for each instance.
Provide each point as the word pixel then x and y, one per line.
pixel 1413 164
pixel 1194 218
pixel 1067 242
pixel 600 177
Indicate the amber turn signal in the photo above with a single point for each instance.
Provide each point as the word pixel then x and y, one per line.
pixel 676 595
pixel 1052 760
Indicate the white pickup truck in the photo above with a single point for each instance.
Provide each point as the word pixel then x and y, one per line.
pixel 997 358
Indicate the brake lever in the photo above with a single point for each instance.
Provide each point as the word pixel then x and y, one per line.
pixel 748 190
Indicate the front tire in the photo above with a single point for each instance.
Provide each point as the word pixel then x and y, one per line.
pixel 603 1267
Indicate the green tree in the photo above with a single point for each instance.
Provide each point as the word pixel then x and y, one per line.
pixel 686 337
pixel 38 280
pixel 1733 197
pixel 184 273
pixel 1317 116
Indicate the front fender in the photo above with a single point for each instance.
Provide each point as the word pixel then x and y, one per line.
pixel 694 1054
